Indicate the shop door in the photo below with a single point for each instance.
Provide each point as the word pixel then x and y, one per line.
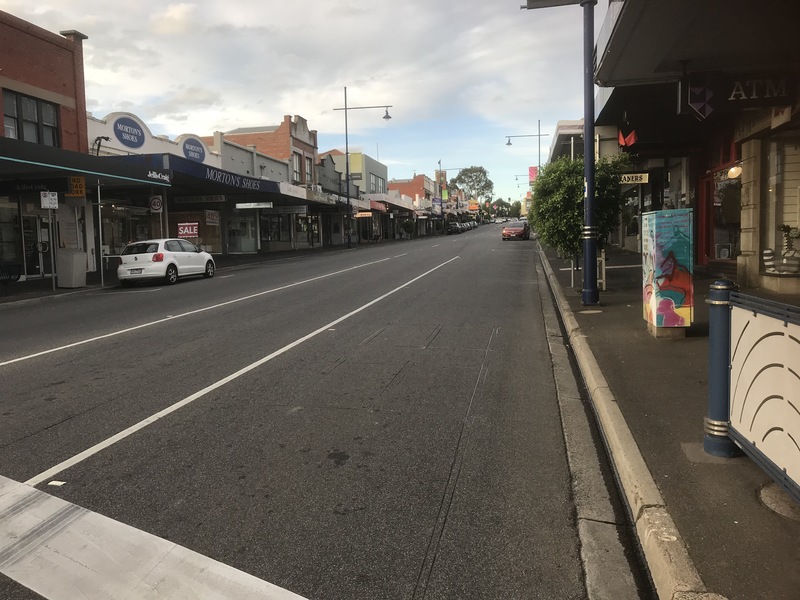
pixel 36 241
pixel 705 207
pixel 242 234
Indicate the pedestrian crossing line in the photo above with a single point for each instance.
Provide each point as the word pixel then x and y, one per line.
pixel 62 551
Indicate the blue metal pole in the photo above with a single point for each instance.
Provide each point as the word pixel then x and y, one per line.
pixel 590 294
pixel 716 440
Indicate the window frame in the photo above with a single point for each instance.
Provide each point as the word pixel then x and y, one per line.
pixel 46 133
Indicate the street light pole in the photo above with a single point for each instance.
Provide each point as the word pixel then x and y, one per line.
pixel 590 294
pixel 347 174
pixel 386 117
pixel 539 135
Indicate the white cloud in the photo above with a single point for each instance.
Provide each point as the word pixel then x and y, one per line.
pixel 174 19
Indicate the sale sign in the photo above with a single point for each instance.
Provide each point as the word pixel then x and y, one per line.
pixel 188 230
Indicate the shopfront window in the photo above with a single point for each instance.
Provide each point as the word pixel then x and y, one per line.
pixel 275 228
pixel 10 235
pixel 125 224
pixel 780 195
pixel 726 216
pixel 307 229
pixel 242 232
pixel 206 224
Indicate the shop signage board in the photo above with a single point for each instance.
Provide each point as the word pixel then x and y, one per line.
pixel 128 132
pixel 212 217
pixel 287 210
pixel 193 149
pixel 33 187
pixel 188 230
pixel 628 178
pixel 76 187
pixel 200 199
pixel 241 205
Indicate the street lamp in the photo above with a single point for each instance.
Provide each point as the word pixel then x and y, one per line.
pixel 539 135
pixel 590 294
pixel 98 141
pixel 345 108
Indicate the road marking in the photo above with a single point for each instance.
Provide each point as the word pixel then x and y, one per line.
pixel 403 254
pixel 186 314
pixel 62 551
pixel 71 462
pixel 435 246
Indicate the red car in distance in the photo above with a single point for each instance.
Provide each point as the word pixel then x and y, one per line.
pixel 516 230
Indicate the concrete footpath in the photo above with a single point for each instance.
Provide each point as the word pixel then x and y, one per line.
pixel 708 527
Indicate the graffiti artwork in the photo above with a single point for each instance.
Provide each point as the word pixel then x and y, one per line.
pixel 667 268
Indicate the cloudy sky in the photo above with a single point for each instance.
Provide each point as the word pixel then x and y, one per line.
pixel 460 74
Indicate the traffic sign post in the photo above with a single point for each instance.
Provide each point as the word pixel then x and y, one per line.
pixel 49 201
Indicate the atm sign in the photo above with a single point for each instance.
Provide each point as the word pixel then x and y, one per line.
pixel 188 230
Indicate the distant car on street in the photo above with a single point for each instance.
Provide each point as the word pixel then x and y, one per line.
pixel 166 259
pixel 454 227
pixel 516 230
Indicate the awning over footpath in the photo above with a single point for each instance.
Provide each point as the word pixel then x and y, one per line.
pixel 27 167
pixel 188 173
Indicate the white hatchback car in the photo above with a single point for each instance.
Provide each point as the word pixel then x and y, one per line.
pixel 166 259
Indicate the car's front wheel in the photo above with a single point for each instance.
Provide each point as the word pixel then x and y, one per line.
pixel 171 275
pixel 209 272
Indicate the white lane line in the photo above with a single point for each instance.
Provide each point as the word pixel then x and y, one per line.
pixel 62 551
pixel 186 314
pixel 399 255
pixel 70 462
pixel 435 246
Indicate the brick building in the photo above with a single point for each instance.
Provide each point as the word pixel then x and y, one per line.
pixel 42 85
pixel 292 140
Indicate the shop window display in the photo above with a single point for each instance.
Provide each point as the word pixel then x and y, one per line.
pixel 726 217
pixel 780 223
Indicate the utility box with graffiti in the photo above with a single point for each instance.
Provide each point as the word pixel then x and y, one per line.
pixel 667 271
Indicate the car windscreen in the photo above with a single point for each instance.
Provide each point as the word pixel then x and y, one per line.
pixel 143 248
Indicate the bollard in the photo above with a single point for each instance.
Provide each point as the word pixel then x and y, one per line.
pixel 716 440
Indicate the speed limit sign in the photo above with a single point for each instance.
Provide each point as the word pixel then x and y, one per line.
pixel 156 204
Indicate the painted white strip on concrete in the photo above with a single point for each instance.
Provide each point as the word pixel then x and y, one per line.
pixel 70 462
pixel 62 552
pixel 186 314
pixel 607 267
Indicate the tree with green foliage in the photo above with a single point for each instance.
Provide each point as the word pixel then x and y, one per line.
pixel 516 209
pixel 501 207
pixel 475 182
pixel 557 211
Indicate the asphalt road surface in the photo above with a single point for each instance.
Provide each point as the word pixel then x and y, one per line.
pixel 365 424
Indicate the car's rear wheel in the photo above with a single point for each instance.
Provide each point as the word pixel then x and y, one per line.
pixel 209 272
pixel 171 275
